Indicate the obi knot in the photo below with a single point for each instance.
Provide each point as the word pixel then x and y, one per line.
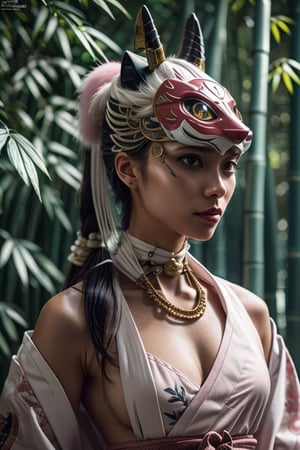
pixel 214 441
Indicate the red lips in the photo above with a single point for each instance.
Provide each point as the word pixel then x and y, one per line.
pixel 210 215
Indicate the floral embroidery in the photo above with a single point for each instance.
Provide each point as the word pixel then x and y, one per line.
pixel 25 391
pixel 177 395
pixel 292 401
pixel 8 430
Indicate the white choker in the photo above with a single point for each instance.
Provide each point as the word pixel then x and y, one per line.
pixel 157 260
pixel 134 256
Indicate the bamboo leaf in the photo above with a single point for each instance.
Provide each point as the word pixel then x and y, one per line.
pixel 4 234
pixel 66 122
pixel 53 207
pixel 32 174
pixel 6 251
pixel 103 38
pixel 118 5
pixel 32 86
pixel 4 345
pixel 64 43
pixel 48 69
pixel 276 78
pixel 20 265
pixel 283 27
pixel 15 316
pixel 82 38
pixel 32 266
pixel 41 80
pixel 24 35
pixel 287 68
pixel 287 82
pixel 237 5
pixel 285 19
pixel 69 174
pixel 275 31
pixel 49 267
pixel 4 134
pixel 20 74
pixel 74 77
pixel 26 119
pixel 79 34
pixel 103 5
pixel 16 160
pixel 40 20
pixel 63 218
pixel 93 43
pixel 68 8
pixel 31 151
pixel 62 150
pixel 57 100
pixel 8 326
pixel 294 64
pixel 50 30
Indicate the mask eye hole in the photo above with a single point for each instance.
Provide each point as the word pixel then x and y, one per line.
pixel 237 112
pixel 199 110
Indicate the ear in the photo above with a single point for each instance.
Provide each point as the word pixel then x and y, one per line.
pixel 134 70
pixel 127 169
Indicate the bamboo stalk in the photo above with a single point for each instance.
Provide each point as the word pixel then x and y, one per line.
pixel 293 304
pixel 253 265
pixel 215 250
pixel 271 243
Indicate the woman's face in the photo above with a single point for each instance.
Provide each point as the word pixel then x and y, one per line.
pixel 185 196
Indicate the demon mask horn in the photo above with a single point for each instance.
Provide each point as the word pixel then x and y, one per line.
pixel 192 46
pixel 135 68
pixel 147 38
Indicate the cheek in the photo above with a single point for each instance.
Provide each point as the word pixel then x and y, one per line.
pixel 230 188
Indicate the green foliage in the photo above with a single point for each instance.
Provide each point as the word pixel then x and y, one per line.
pixel 279 24
pixel 237 5
pixel 284 69
pixel 10 318
pixel 45 51
pixel 23 156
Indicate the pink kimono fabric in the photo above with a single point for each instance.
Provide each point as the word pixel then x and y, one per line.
pixel 240 395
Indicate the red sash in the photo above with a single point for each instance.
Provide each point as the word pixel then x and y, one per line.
pixel 210 441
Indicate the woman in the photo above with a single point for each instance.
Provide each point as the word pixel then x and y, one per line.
pixel 145 348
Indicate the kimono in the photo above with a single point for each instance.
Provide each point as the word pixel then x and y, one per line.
pixel 242 404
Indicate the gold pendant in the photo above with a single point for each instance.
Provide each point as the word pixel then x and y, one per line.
pixel 172 268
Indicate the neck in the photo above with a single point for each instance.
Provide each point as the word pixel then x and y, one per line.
pixel 169 243
pixel 157 260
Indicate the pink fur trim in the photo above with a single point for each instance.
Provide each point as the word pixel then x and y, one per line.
pixel 89 127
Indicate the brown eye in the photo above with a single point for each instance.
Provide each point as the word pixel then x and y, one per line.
pixel 199 110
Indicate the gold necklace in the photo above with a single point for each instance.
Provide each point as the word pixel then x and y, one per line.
pixel 172 310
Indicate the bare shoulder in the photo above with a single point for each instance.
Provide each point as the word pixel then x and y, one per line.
pixel 259 313
pixel 61 335
pixel 62 313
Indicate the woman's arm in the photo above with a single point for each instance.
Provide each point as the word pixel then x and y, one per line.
pixel 62 337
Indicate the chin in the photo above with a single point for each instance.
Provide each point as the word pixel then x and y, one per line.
pixel 203 236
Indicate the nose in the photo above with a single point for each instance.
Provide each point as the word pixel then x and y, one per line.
pixel 214 184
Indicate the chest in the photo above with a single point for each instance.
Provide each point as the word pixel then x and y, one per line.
pixel 189 346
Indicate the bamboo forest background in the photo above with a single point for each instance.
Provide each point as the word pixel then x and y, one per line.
pixel 46 48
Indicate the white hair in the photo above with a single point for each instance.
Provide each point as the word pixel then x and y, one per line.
pixel 142 98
